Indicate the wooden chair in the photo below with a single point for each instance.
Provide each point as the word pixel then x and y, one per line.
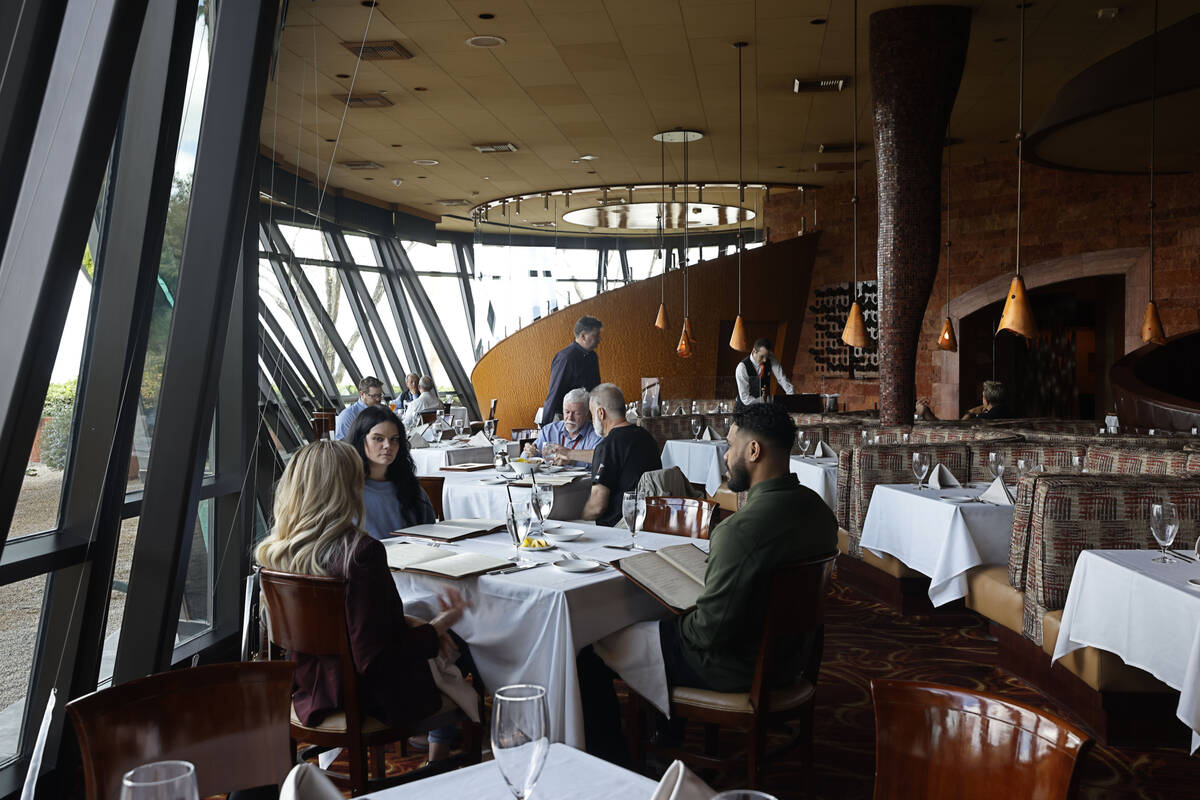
pixel 935 742
pixel 795 606
pixel 432 485
pixel 430 415
pixel 229 720
pixel 308 615
pixel 679 516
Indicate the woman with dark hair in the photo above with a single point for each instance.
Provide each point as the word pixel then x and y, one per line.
pixel 392 496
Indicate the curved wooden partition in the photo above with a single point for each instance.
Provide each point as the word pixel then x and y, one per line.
pixel 775 283
pixel 1158 386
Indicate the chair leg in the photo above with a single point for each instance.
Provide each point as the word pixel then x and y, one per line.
pixel 756 744
pixel 377 754
pixel 357 759
pixel 637 735
pixel 712 739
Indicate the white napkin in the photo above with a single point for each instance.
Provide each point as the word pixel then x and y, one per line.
pixel 416 439
pixel 306 782
pixel 997 493
pixel 941 478
pixel 680 783
pixel 708 435
pixel 823 450
pixel 479 440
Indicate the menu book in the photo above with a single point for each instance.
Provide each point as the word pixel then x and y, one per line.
pixel 453 529
pixel 674 575
pixel 440 561
pixel 467 467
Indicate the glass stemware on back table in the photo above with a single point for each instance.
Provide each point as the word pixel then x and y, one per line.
pixel 696 425
pixel 920 467
pixel 1164 524
pixel 520 735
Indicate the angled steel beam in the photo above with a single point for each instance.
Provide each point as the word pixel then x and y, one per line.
pixel 358 287
pixel 466 266
pixel 313 389
pixel 410 338
pixel 277 374
pixel 337 244
pixel 626 272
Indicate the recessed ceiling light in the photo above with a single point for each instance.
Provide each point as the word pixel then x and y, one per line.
pixel 342 75
pixel 420 88
pixel 575 161
pixel 588 157
pixel 486 178
pixel 368 3
pixel 425 162
pixel 397 145
pixel 420 177
pixel 591 172
pixel 817 21
pixel 487 41
pixel 331 140
pixel 487 16
pixel 368 179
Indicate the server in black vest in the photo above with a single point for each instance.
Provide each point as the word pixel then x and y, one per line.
pixel 754 375
pixel 575 366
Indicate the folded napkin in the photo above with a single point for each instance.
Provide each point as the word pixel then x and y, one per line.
pixel 941 478
pixel 680 783
pixel 997 493
pixel 480 440
pixel 306 782
pixel 416 439
pixel 708 435
pixel 823 450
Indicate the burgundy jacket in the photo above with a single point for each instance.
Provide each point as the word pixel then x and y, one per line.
pixel 390 657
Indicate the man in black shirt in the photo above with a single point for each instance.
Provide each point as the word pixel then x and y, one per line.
pixel 576 365
pixel 625 452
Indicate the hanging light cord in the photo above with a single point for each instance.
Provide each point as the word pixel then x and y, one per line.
pixel 1020 125
pixel 948 159
pixel 1153 135
pixel 741 186
pixel 686 142
pixel 854 156
pixel 662 212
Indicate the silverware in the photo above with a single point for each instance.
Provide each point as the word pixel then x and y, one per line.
pixel 1184 557
pixel 619 546
pixel 519 568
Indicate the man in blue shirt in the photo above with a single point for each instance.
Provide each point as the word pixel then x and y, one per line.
pixel 572 438
pixel 370 393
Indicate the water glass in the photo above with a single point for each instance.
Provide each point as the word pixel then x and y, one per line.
pixel 517 520
pixel 995 465
pixel 541 499
pixel 1023 467
pixel 920 466
pixel 632 507
pixel 489 429
pixel 696 424
pixel 1077 463
pixel 743 794
pixel 804 442
pixel 459 425
pixel 905 438
pixel 1164 524
pixel 161 780
pixel 520 735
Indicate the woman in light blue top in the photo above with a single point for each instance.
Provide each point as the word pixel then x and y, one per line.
pixel 392 496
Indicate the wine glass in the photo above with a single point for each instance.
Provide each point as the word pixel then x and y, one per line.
pixel 995 465
pixel 459 424
pixel 489 429
pixel 520 735
pixel 804 442
pixel 1077 463
pixel 1024 465
pixel 743 794
pixel 1164 524
pixel 517 520
pixel 161 780
pixel 631 507
pixel 696 427
pixel 920 466
pixel 905 438
pixel 541 500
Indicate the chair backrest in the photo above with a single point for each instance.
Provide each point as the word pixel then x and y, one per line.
pixel 935 742
pixel 432 484
pixel 679 516
pixel 430 415
pixel 229 720
pixel 667 482
pixel 795 606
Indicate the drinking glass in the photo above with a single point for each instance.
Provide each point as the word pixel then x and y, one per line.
pixel 161 780
pixel 695 407
pixel 920 466
pixel 541 500
pixel 517 520
pixel 520 735
pixel 696 427
pixel 1077 463
pixel 905 438
pixel 804 442
pixel 632 506
pixel 743 794
pixel 725 421
pixel 459 424
pixel 995 465
pixel 489 429
pixel 864 436
pixel 1023 467
pixel 1164 524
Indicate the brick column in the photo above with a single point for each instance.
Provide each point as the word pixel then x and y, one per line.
pixel 917 56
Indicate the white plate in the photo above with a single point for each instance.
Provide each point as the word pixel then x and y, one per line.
pixel 1195 582
pixel 536 549
pixel 956 499
pixel 550 525
pixel 564 535
pixel 577 564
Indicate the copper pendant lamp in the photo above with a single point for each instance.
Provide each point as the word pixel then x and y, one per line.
pixel 661 321
pixel 739 341
pixel 855 332
pixel 947 340
pixel 1018 315
pixel 1152 327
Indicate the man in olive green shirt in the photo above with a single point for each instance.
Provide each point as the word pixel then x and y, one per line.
pixel 715 645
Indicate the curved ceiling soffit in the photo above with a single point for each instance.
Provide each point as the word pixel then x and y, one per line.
pixel 1100 120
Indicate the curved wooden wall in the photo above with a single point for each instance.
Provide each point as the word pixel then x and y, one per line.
pixel 775 284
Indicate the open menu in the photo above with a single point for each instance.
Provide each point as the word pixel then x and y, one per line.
pixel 470 466
pixel 440 561
pixel 453 529
pixel 674 575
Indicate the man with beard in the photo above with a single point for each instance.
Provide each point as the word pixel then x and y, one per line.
pixel 570 439
pixel 715 645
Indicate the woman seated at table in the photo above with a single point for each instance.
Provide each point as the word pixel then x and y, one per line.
pixel 392 495
pixel 317 507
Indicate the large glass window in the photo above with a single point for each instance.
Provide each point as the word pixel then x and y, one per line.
pixel 22 604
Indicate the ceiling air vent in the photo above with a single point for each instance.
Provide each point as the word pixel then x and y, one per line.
pixel 487 41
pixel 370 100
pixel 506 147
pixel 382 50
pixel 458 201
pixel 809 85
pixel 838 147
pixel 361 165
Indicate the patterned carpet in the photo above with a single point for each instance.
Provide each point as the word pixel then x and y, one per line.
pixel 865 640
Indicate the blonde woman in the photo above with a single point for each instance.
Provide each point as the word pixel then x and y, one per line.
pixel 318 505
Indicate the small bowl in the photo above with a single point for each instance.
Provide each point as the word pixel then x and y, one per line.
pixel 563 534
pixel 526 466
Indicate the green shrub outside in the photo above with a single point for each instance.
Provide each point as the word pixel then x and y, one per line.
pixel 56 434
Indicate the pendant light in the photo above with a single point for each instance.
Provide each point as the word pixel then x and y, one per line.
pixel 684 348
pixel 947 340
pixel 855 332
pixel 1152 327
pixel 1018 316
pixel 661 322
pixel 738 340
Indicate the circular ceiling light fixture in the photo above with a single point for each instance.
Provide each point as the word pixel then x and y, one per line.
pixel 588 157
pixel 425 162
pixel 678 136
pixel 645 216
pixel 487 41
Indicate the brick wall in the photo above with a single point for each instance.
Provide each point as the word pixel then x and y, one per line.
pixel 1065 214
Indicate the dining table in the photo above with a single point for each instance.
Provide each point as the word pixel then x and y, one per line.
pixel 702 461
pixel 1147 613
pixel 818 474
pixel 939 532
pixel 430 460
pixel 567 772
pixel 528 626
pixel 485 493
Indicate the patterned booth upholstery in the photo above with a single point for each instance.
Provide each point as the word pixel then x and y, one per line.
pixel 1140 461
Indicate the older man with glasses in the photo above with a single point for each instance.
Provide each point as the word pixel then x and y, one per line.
pixel 370 393
pixel 571 439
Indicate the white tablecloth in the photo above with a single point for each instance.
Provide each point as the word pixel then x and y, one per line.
pixel 939 539
pixel 430 460
pixel 818 474
pixel 526 627
pixel 702 461
pixel 1146 613
pixel 468 495
pixel 568 773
